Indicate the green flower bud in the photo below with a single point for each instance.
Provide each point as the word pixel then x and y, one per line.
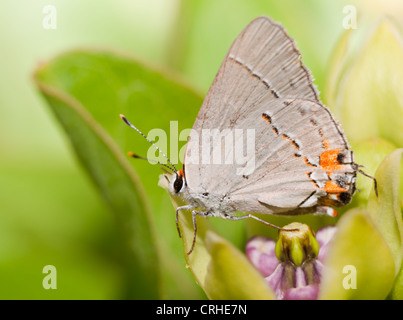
pixel 369 97
pixel 296 245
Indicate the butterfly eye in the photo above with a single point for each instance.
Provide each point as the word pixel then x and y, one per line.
pixel 178 183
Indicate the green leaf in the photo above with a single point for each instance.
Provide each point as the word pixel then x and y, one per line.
pixel 384 209
pixel 397 291
pixel 357 255
pixel 230 275
pixel 87 90
pixel 117 183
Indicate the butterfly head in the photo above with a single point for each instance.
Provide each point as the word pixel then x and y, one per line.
pixel 177 184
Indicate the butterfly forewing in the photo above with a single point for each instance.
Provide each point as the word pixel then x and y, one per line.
pixel 262 63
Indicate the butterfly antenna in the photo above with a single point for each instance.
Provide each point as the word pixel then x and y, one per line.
pixel 135 156
pixel 133 127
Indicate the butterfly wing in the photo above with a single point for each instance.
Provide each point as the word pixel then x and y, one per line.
pixel 263 92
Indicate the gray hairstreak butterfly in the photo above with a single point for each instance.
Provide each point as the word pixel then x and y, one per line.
pixel 302 162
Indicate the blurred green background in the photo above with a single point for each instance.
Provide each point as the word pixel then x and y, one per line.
pixel 50 212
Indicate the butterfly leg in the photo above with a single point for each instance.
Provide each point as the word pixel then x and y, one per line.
pixel 235 218
pixel 194 214
pixel 373 178
pixel 188 207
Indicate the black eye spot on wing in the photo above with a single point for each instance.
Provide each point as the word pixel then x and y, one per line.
pixel 345 197
pixel 340 157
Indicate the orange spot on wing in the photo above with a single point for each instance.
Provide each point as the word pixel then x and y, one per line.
pixel 331 187
pixel 328 160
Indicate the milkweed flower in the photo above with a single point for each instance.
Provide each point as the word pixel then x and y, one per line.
pixel 292 266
